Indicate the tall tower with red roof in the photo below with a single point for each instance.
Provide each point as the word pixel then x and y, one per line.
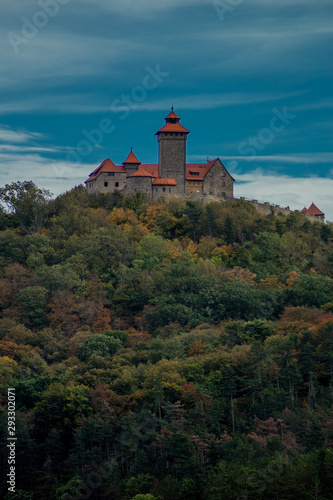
pixel 172 139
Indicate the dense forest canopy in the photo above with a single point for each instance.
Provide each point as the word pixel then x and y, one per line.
pixel 165 350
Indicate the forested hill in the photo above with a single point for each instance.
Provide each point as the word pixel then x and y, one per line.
pixel 165 351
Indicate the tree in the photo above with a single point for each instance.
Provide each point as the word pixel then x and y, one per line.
pixel 63 312
pixel 33 298
pixel 310 290
pixel 27 203
pixel 193 212
pixel 99 344
pixel 229 231
pixel 325 233
pixel 62 408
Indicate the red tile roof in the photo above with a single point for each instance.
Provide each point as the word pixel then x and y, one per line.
pixel 100 166
pixel 173 127
pixel 132 159
pixel 164 182
pixel 172 124
pixel 106 166
pixel 151 168
pixel 198 171
pixel 141 172
pixel 304 211
pixel 172 115
pixel 313 210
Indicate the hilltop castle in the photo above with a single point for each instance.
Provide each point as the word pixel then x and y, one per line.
pixel 172 176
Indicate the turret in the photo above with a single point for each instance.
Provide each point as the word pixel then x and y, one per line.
pixel 131 163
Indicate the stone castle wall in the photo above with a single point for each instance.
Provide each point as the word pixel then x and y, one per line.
pixel 107 183
pixel 139 184
pixel 165 192
pixel 218 182
pixel 193 187
pixel 267 208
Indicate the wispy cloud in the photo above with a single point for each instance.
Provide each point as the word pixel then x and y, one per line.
pixel 26 149
pixel 144 7
pixel 149 7
pixel 90 103
pixel 321 104
pixel 299 158
pixel 9 135
pixel 45 172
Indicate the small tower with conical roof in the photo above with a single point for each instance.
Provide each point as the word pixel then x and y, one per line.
pixel 131 163
pixel 172 151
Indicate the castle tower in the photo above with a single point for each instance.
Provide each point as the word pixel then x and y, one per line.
pixel 131 163
pixel 172 151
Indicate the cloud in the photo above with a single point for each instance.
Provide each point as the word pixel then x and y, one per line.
pixel 8 135
pixel 20 161
pixel 322 104
pixel 90 103
pixel 298 158
pixel 51 174
pixel 26 149
pixel 130 8
pixel 66 49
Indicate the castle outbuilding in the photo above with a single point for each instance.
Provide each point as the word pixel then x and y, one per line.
pixel 172 176
pixel 313 213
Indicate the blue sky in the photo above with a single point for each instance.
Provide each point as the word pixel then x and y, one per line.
pixel 251 79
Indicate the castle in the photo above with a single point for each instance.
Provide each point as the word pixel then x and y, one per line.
pixel 172 176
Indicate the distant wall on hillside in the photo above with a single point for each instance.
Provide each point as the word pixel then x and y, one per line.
pixel 264 208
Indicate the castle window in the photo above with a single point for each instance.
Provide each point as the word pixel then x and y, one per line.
pixel 223 194
pixel 223 174
pixel 110 173
pixel 210 183
pixel 223 184
pixel 163 190
pixel 169 190
pixel 105 184
pixel 117 184
pixel 211 174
